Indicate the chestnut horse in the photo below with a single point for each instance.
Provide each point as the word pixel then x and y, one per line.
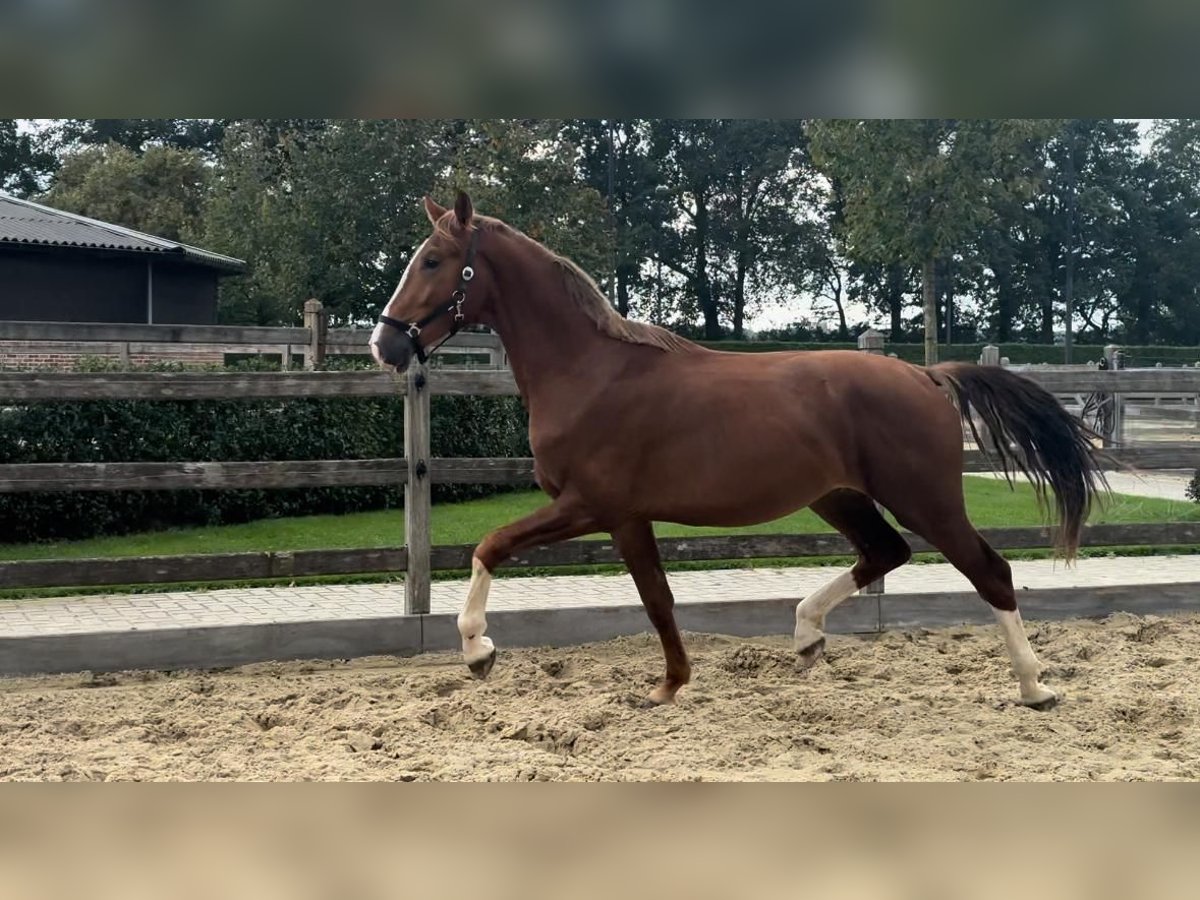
pixel 631 424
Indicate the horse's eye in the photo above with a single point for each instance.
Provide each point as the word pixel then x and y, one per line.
pixel 429 263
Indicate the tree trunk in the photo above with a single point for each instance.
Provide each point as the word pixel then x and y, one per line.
pixel 1005 303
pixel 1047 327
pixel 895 301
pixel 946 302
pixel 704 296
pixel 623 291
pixel 739 300
pixel 712 325
pixel 929 300
pixel 843 328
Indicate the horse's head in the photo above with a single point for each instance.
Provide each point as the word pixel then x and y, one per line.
pixel 439 291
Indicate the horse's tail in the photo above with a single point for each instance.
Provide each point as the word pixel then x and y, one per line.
pixel 1032 433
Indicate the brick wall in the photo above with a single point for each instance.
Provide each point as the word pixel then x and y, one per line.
pixel 20 355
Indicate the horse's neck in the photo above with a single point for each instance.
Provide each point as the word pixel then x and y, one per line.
pixel 552 346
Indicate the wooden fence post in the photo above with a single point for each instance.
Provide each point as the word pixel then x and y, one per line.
pixel 1112 357
pixel 417 494
pixel 316 323
pixel 871 341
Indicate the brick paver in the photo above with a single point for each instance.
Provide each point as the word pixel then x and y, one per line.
pixel 147 612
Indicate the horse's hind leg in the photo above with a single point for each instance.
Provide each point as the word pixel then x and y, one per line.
pixel 880 549
pixel 945 525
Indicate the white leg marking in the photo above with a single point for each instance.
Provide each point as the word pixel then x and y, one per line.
pixel 472 622
pixel 1024 662
pixel 811 611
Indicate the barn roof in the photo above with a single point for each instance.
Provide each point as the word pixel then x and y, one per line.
pixel 29 223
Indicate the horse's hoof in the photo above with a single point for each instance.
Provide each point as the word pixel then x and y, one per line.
pixel 1042 699
pixel 810 655
pixel 660 696
pixel 481 667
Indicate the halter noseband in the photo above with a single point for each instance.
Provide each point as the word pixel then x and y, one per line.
pixel 412 330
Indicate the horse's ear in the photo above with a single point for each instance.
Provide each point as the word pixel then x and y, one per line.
pixel 463 211
pixel 432 210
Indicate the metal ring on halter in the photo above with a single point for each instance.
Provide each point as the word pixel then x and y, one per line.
pixel 467 273
pixel 413 330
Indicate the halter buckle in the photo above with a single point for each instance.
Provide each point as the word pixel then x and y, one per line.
pixel 413 330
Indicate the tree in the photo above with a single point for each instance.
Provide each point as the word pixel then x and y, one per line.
pixel 823 269
pixel 160 192
pixel 331 209
pixel 916 190
pixel 325 209
pixel 759 238
pixel 732 236
pixel 689 171
pixel 614 159
pixel 822 272
pixel 138 135
pixel 525 173
pixel 24 160
pixel 1170 181
pixel 1089 219
pixel 888 289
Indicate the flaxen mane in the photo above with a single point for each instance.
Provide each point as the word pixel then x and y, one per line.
pixel 593 304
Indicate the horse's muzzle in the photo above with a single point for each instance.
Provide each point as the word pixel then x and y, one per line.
pixel 391 347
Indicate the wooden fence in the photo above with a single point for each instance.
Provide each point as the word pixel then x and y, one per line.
pixel 417 471
pixel 312 343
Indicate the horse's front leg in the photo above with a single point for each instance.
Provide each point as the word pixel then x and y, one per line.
pixel 636 542
pixel 562 520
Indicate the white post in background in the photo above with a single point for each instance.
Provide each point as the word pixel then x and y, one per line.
pixel 989 356
pixel 1112 356
pixel 871 341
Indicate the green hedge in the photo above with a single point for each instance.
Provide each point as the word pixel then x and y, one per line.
pixel 225 430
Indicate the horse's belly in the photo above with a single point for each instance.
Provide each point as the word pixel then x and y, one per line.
pixel 756 483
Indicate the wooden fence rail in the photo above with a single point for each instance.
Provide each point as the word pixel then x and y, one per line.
pixel 253 385
pixel 241 385
pixel 418 559
pixel 314 341
pixel 171 476
pixel 152 334
pixel 300 563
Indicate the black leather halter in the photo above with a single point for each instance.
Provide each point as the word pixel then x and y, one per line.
pixel 412 330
